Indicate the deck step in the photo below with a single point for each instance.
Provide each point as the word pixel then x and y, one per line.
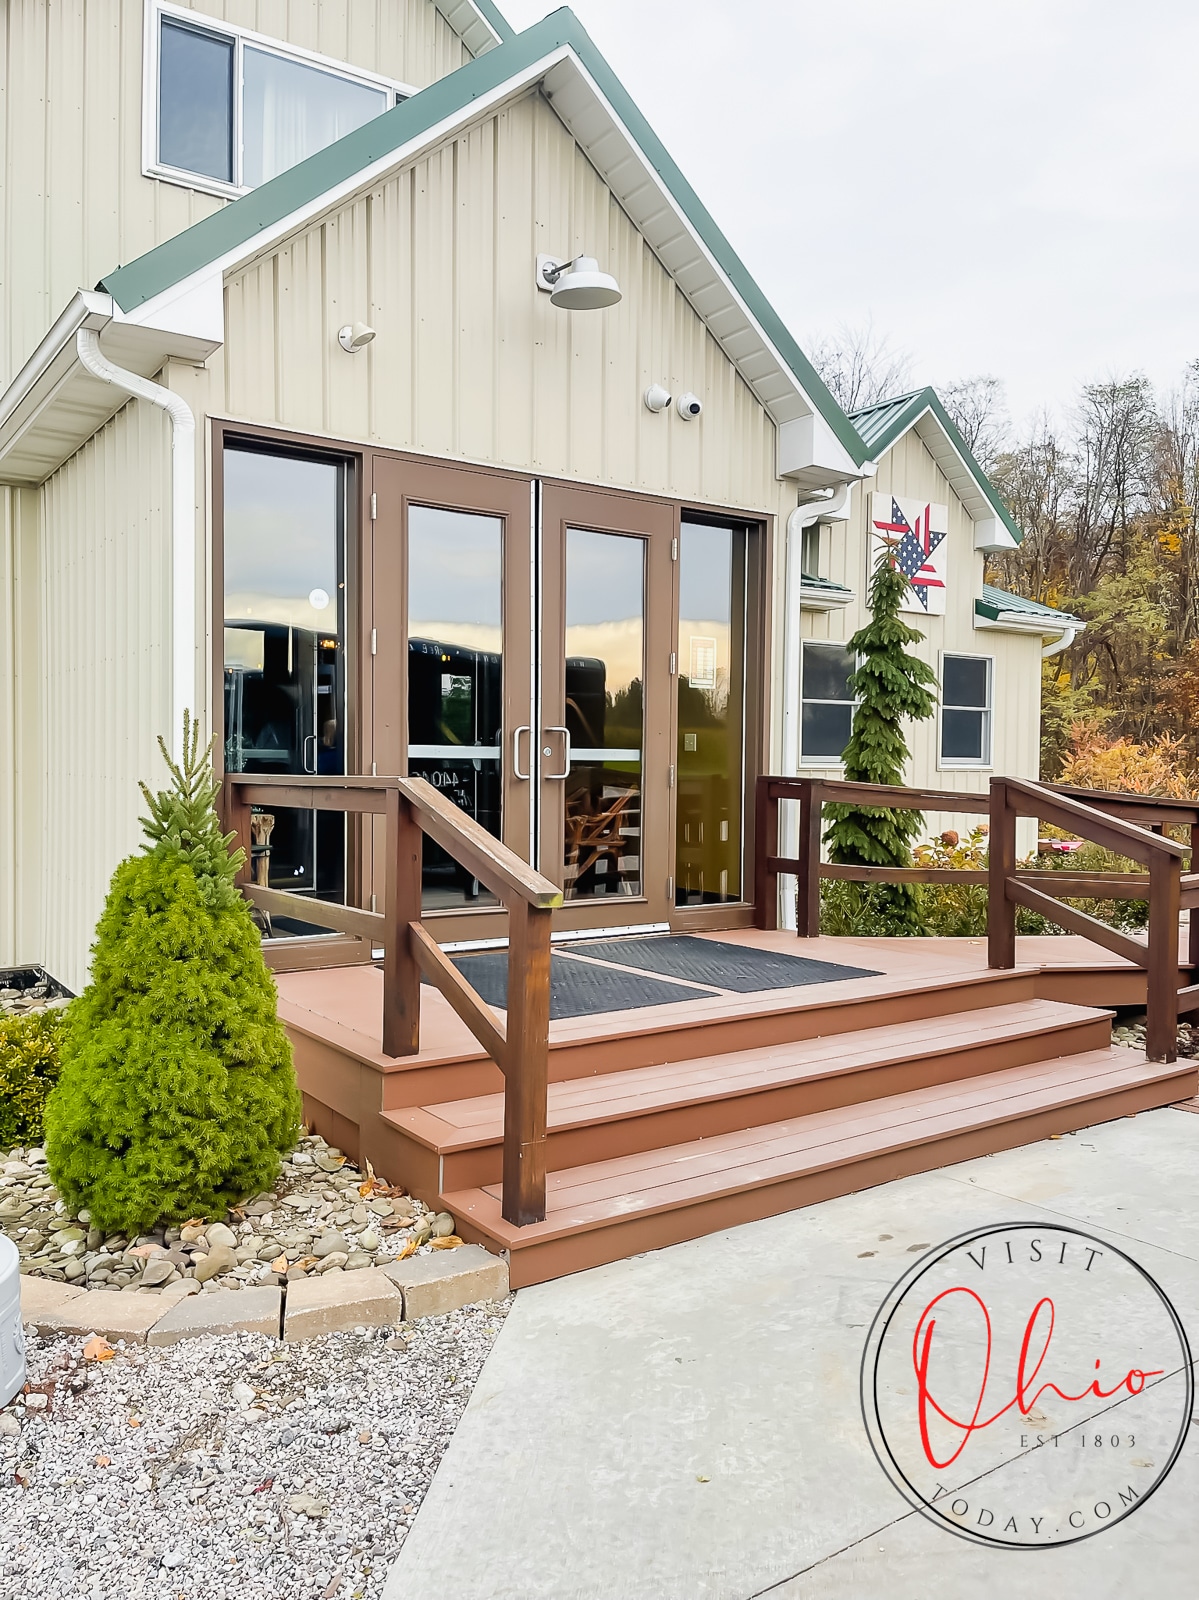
pixel 458 1143
pixel 608 1209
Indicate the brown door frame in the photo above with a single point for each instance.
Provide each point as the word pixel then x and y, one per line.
pixel 359 460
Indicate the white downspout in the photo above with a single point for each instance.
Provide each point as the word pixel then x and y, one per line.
pixel 805 513
pixel 183 519
pixel 1062 642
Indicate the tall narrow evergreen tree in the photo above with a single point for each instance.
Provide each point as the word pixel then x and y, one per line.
pixel 889 685
pixel 177 1095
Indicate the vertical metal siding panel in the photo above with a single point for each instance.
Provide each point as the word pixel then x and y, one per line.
pixel 299 322
pixel 390 308
pixel 517 323
pixel 433 276
pixel 553 333
pixel 475 292
pixel 25 250
pixel 347 300
pixel 303 23
pixel 64 140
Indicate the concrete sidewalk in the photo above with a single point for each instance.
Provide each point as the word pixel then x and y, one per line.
pixel 686 1425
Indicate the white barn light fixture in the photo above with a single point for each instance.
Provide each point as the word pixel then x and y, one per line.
pixel 577 285
pixel 354 336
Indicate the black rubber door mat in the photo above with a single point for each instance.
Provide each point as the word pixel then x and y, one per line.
pixel 577 988
pixel 744 969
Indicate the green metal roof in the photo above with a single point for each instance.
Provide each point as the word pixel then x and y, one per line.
pixel 826 585
pixel 997 602
pixel 879 426
pixel 237 224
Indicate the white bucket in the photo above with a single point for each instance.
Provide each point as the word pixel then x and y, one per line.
pixel 12 1335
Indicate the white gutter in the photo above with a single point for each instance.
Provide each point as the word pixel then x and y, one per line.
pixel 183 519
pixel 1063 642
pixel 805 513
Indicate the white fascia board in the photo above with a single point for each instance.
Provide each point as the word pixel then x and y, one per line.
pixel 991 537
pixel 814 598
pixel 1024 622
pixel 193 308
pixel 810 452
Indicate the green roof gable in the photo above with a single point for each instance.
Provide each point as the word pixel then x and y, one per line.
pixel 880 426
pixel 239 223
pixel 997 602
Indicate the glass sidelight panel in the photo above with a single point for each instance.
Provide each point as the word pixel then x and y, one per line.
pixel 455 679
pixel 285 682
pixel 603 740
pixel 711 691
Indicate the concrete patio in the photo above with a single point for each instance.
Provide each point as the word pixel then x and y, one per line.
pixel 685 1425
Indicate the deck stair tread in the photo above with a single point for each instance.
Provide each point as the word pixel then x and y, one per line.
pixel 470 1123
pixel 606 1192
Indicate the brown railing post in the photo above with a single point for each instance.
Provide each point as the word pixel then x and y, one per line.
pixel 766 844
pixel 401 972
pixel 1193 919
pixel 1161 1021
pixel 1001 865
pixel 526 1067
pixel 237 821
pixel 807 897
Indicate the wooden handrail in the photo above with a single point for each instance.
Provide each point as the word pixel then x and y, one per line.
pixel 519 1045
pixel 1099 816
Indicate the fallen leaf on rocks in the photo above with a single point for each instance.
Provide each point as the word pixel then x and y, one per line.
pixel 364 1437
pixel 145 1250
pixel 409 1249
pixel 98 1349
pixel 335 1583
pixel 104 1461
pixel 699 1478
pixel 23 1476
pixel 306 1263
pixel 447 1241
pixel 135 1422
pixel 280 1265
pixel 308 1505
pixel 261 1488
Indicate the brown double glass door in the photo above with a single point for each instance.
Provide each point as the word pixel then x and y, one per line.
pixel 522 640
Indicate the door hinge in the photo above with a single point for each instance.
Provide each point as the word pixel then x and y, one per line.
pixel 670 778
pixel 674 663
pixel 674 549
pixel 670 888
pixel 374 907
pixel 374 505
pixel 374 641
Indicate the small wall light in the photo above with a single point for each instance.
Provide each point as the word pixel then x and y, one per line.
pixel 577 285
pixel 657 398
pixel 354 337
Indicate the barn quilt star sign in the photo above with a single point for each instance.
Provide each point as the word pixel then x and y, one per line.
pixel 917 533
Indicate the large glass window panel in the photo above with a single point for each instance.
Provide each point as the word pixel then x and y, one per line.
pixel 195 101
pixel 455 679
pixel 291 109
pixel 605 657
pixel 285 680
pixel 711 715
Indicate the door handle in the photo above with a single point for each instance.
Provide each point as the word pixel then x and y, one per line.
pixel 559 777
pixel 304 752
pixel 516 733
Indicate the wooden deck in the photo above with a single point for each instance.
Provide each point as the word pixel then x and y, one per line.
pixel 671 1121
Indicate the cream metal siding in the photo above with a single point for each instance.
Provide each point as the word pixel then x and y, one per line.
pixel 470 359
pixel 76 204
pixel 909 469
pixel 102 672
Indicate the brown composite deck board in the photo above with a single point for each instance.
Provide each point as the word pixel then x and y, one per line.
pixel 590 1195
pixel 578 1102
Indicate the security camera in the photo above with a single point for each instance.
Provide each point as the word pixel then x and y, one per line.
pixel 656 397
pixel 689 406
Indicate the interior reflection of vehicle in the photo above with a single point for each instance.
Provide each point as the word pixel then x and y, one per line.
pixel 282 699
pixel 455 703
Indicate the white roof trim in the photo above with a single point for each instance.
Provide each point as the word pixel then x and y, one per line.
pixel 592 121
pixel 990 533
pixel 469 23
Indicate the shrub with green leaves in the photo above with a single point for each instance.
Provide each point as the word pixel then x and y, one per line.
pixel 29 1069
pixel 177 1096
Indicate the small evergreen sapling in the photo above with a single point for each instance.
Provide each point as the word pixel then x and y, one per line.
pixel 889 685
pixel 177 1096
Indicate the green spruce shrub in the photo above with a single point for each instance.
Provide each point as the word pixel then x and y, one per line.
pixel 890 686
pixel 177 1096
pixel 29 1069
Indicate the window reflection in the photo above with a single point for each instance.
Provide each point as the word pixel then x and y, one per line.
pixel 455 679
pixel 605 649
pixel 284 659
pixel 711 695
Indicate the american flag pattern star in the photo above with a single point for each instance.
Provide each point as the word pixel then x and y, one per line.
pixel 916 534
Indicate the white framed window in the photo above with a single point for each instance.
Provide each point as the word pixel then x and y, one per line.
pixel 827 705
pixel 225 109
pixel 966 705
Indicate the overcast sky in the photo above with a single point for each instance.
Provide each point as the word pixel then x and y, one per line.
pixel 1003 186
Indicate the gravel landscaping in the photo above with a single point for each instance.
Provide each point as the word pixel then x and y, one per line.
pixel 229 1468
pixel 322 1215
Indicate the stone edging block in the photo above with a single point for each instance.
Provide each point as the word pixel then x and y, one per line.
pixel 422 1286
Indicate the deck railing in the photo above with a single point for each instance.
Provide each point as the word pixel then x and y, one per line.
pixel 1129 825
pixel 518 1044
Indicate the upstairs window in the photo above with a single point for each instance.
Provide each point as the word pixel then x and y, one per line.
pixel 233 109
pixel 965 711
pixel 827 703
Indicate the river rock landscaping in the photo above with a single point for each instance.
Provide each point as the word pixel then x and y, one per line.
pixel 229 1468
pixel 323 1215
